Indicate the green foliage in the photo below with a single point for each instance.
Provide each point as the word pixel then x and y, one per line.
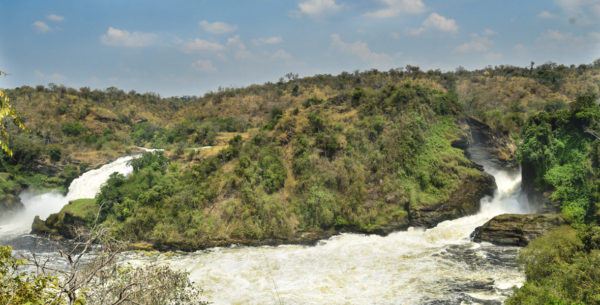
pixel 7 112
pixel 357 175
pixel 73 129
pixel 318 208
pixel 559 271
pixel 19 287
pixel 558 149
pixel 312 101
pixel 155 160
pixel 55 153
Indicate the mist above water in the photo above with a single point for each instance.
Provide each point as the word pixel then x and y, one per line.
pixel 42 205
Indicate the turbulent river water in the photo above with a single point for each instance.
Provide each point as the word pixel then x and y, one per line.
pixel 435 266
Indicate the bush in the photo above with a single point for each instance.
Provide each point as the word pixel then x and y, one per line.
pixel 55 153
pixel 73 129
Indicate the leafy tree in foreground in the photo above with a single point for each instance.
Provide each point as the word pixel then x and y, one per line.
pixel 17 287
pixel 7 111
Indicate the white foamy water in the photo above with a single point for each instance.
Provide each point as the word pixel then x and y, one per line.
pixel 42 205
pixel 436 266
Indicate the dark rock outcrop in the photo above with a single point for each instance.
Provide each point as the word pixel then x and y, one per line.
pixel 516 229
pixel 60 225
pixel 463 201
pixel 10 204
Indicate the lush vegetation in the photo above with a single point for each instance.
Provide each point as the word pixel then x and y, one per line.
pixel 562 268
pixel 562 152
pixel 85 127
pixel 325 153
pixel 354 161
pixel 561 149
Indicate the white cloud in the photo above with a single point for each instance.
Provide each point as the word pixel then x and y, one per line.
pixel 519 47
pixel 394 8
pixel 361 50
pixel 488 32
pixel 267 40
pixel 478 43
pixel 545 15
pixel 198 45
pixel 318 7
pixel 578 10
pixel 54 77
pixel 395 35
pixel 556 37
pixel 491 56
pixel 123 38
pixel 437 22
pixel 236 41
pixel 41 27
pixel 55 18
pixel 204 66
pixel 218 27
pixel 281 54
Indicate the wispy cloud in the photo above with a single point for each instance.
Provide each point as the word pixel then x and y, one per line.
pixel 55 18
pixel 197 45
pixel 545 15
pixel 555 36
pixel 267 40
pixel 123 38
pixel 579 11
pixel 393 8
pixel 239 47
pixel 437 22
pixel 281 54
pixel 478 43
pixel 361 50
pixel 217 27
pixel 54 77
pixel 316 8
pixel 41 27
pixel 204 65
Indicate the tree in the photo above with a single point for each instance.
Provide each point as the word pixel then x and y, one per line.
pixel 7 111
pixel 18 287
pixel 94 275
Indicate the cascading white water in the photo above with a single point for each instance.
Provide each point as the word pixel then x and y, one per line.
pixel 436 266
pixel 42 205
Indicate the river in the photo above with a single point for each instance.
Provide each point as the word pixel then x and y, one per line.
pixel 435 266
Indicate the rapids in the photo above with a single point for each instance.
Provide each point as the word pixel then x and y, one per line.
pixel 436 266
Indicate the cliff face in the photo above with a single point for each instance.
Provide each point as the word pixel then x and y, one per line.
pixel 464 201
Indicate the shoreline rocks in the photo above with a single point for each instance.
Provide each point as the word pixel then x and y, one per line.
pixel 516 229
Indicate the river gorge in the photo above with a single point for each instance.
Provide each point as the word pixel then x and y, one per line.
pixel 440 265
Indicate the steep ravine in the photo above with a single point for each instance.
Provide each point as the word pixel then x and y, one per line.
pixel 440 265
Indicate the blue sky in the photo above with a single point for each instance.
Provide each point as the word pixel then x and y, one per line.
pixel 179 47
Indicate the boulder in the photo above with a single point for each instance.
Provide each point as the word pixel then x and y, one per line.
pixel 465 200
pixel 516 229
pixel 73 217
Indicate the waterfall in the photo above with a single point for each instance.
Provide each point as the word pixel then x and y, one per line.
pixel 42 205
pixel 440 265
